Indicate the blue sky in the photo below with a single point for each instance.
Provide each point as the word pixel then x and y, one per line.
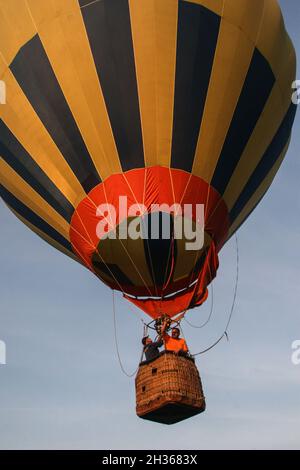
pixel 62 386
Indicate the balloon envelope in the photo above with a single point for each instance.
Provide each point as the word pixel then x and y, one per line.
pixel 159 102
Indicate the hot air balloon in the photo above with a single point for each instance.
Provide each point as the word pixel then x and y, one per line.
pixel 166 103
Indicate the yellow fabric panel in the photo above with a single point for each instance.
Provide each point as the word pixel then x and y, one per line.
pixel 214 5
pixel 142 16
pixel 288 70
pixel 23 122
pixel 274 43
pixel 62 32
pixel 16 28
pixel 22 191
pixel 154 31
pixel 45 237
pixel 166 32
pixel 241 13
pixel 186 259
pixel 116 252
pixel 270 38
pixel 246 15
pixel 260 140
pixel 136 250
pixel 226 82
pixel 258 194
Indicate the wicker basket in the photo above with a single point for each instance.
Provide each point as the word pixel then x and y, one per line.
pixel 168 389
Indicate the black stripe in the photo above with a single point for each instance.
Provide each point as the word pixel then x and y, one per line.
pixel 266 163
pixel 112 271
pixel 158 252
pixel 199 264
pixel 33 218
pixel 109 31
pixel 255 93
pixel 33 71
pixel 19 159
pixel 84 3
pixel 197 36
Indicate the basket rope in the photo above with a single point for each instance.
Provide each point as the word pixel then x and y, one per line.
pixel 225 333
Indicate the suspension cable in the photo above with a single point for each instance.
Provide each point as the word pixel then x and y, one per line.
pixel 212 301
pixel 116 342
pixel 225 334
pixel 210 313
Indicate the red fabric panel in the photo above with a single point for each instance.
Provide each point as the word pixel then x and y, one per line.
pixel 148 186
pixel 154 185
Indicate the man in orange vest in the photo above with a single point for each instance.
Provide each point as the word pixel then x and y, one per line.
pixel 174 342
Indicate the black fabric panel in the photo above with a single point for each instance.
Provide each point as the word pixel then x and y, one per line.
pixel 33 218
pixel 255 93
pixel 112 271
pixel 199 264
pixel 109 31
pixel 19 159
pixel 267 162
pixel 197 36
pixel 33 71
pixel 158 252
pixel 84 3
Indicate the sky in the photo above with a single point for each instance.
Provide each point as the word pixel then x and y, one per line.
pixel 62 386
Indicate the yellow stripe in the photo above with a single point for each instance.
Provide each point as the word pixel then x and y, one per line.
pixel 21 119
pixel 226 82
pixel 258 194
pixel 62 32
pixel 45 237
pixel 247 15
pixel 16 28
pixel 271 39
pixel 22 191
pixel 142 14
pixel 275 44
pixel 136 249
pixel 243 14
pixel 187 259
pixel 260 24
pixel 260 140
pixel 154 31
pixel 115 252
